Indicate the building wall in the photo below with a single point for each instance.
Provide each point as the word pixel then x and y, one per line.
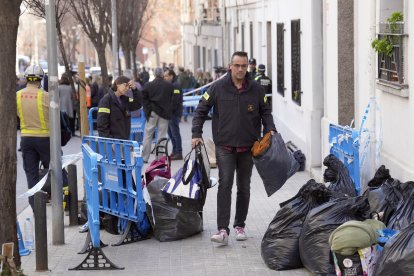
pixel 391 121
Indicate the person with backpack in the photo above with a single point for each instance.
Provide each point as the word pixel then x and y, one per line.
pixel 114 112
pixel 33 113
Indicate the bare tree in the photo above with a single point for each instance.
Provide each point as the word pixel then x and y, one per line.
pixel 132 18
pixel 37 8
pixel 9 22
pixel 95 18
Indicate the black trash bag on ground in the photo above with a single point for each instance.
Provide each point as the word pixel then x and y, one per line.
pixel 397 258
pixel 320 222
pixel 381 175
pixel 383 201
pixel 276 165
pixel 403 215
pixel 171 223
pixel 336 173
pixel 280 244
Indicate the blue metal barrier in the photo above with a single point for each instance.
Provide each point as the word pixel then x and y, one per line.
pixel 138 127
pixel 116 163
pixel 345 146
pixel 96 259
pixel 91 120
pixel 90 170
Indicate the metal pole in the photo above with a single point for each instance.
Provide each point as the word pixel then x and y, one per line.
pixel 73 195
pixel 114 40
pixel 58 235
pixel 40 231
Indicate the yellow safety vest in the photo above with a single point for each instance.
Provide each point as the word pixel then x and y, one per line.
pixel 25 131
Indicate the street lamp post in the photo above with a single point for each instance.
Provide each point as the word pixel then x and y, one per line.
pixel 58 235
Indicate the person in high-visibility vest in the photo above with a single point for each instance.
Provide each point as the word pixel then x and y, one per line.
pixel 33 112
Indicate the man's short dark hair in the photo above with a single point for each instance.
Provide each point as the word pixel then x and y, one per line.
pixel 170 72
pixel 239 54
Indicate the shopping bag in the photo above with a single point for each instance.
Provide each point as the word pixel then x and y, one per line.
pixel 187 189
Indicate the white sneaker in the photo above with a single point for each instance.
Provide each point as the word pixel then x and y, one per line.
pixel 221 237
pixel 240 234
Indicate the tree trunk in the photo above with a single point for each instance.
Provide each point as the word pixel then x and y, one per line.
pixel 134 60
pixel 102 62
pixel 127 55
pixel 157 53
pixel 9 22
pixel 64 56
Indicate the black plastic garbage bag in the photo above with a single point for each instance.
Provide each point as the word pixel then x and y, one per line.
pixel 397 259
pixel 337 174
pixel 276 165
pixel 321 221
pixel 403 215
pixel 381 175
pixel 171 223
pixel 383 201
pixel 280 244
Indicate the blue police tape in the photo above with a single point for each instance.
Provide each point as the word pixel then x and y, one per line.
pixel 66 161
pixel 204 86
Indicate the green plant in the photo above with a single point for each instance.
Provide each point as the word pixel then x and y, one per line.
pixel 396 17
pixel 385 45
pixel 382 46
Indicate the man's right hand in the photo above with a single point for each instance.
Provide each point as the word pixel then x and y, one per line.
pixel 196 141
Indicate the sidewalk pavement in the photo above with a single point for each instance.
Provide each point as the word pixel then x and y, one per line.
pixel 192 256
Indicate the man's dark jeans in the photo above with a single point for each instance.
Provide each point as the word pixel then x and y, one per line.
pixel 174 134
pixel 34 151
pixel 228 162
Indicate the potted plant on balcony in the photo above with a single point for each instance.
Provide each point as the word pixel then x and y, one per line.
pixel 385 45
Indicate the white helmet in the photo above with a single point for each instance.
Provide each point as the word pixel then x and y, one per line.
pixel 34 73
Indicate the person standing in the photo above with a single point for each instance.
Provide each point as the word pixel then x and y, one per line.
pixel 66 97
pixel 240 107
pixel 252 68
pixel 174 123
pixel 114 112
pixel 156 101
pixel 33 112
pixel 265 82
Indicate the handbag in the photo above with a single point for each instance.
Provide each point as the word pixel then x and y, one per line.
pixel 187 189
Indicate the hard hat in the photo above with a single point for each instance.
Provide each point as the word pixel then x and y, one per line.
pixel 34 73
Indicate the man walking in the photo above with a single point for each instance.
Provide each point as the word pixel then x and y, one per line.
pixel 156 101
pixel 177 111
pixel 265 82
pixel 33 112
pixel 240 105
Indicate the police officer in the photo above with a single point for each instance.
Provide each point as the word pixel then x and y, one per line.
pixel 265 82
pixel 252 68
pixel 33 112
pixel 114 113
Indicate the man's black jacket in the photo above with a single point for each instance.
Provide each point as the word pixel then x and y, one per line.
pixel 237 116
pixel 156 96
pixel 177 101
pixel 114 119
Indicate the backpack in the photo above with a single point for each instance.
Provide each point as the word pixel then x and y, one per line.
pixel 65 132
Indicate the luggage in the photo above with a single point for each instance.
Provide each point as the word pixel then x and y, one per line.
pixel 161 166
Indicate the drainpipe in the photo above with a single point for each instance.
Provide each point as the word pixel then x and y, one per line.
pixel 368 170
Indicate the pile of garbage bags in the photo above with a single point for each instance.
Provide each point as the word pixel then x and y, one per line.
pixel 330 230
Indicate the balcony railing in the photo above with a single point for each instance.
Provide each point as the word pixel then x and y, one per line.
pixel 391 67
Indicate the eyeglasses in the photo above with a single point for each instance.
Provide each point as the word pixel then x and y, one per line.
pixel 238 66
